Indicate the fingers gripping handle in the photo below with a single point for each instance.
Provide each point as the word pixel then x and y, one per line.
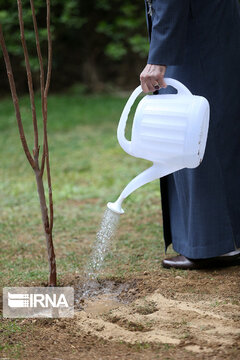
pixel 125 144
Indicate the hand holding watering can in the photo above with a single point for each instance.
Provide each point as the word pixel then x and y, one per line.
pixel 169 129
pixel 152 77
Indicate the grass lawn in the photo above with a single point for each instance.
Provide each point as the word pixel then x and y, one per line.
pixel 88 169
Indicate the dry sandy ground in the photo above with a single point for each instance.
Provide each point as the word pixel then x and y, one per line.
pixel 159 320
pixel 170 315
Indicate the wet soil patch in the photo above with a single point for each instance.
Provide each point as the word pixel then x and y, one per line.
pixel 111 291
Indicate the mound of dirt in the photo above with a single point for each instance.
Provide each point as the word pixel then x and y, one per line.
pixel 196 326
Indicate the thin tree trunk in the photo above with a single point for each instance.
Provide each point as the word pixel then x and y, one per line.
pixel 47 229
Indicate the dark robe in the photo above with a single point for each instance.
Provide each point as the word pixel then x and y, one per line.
pixel 199 41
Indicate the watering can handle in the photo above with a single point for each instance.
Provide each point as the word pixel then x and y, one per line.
pixel 126 144
pixel 182 89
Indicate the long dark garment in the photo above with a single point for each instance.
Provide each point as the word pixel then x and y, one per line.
pixel 199 41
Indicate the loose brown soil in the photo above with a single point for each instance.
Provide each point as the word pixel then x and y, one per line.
pixel 165 315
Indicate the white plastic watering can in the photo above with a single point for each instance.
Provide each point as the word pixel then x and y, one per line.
pixel 170 130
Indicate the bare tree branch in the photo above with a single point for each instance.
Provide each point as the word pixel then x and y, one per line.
pixel 29 76
pixel 49 70
pixel 41 68
pixel 44 94
pixel 15 99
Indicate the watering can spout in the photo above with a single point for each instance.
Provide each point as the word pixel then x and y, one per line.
pixel 154 172
pixel 116 206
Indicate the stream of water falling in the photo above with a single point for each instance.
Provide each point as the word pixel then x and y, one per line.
pixel 102 244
